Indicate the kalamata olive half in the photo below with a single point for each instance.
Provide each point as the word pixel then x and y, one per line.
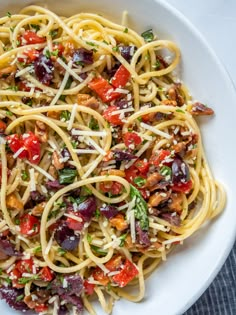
pixel 87 207
pixel 44 68
pixel 109 211
pixel 66 237
pixel 180 171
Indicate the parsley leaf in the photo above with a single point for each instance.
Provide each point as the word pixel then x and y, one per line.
pixel 139 181
pixel 148 36
pixel 67 176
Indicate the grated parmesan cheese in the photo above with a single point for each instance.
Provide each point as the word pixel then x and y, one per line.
pixel 72 117
pixel 156 131
pixel 90 141
pixel 132 226
pixel 85 151
pixel 32 180
pixel 23 71
pixel 91 133
pixel 69 70
pixel 40 170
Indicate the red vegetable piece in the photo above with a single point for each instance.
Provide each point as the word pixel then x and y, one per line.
pixel 88 287
pixel 32 145
pixel 157 159
pixel 142 166
pixel 114 119
pixel 25 265
pixel 103 89
pixel 127 274
pixel 74 224
pixel 100 276
pixel 46 274
pixel 29 225
pixel 132 138
pixel 41 308
pixel 114 188
pixel 183 187
pixel 30 56
pixel 15 143
pixel 30 37
pixel 15 274
pixel 121 77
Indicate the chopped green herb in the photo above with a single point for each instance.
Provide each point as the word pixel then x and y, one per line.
pixel 148 36
pixel 8 280
pixel 147 56
pixel 25 280
pixel 122 239
pixel 74 144
pixel 24 175
pixel 140 119
pixel 62 98
pixel 98 250
pixel 109 286
pixel 65 115
pixel 93 124
pixel 68 83
pixel 180 111
pixel 13 88
pixel 97 214
pixel 157 65
pixel 55 52
pixel 17 221
pixel 37 249
pixel 87 190
pixel 30 102
pixel 140 209
pixel 9 14
pixel 139 181
pixel 116 48
pixel 89 238
pixel 53 214
pixel 126 30
pixel 195 146
pixel 91 44
pixel 61 251
pixel 0 271
pixel 53 33
pixel 67 176
pixel 105 42
pixel 165 170
pixel 19 297
pixel 12 29
pixel 47 53
pixel 8 113
pixel 35 26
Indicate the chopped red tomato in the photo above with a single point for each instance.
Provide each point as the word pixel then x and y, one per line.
pixel 100 276
pixel 58 47
pixel 112 118
pixel 121 77
pixel 114 188
pixel 29 225
pixel 132 138
pixel 15 143
pixel 46 274
pixel 30 56
pixel 3 126
pixel 22 86
pixel 25 265
pixel 88 287
pixel 74 224
pixel 15 274
pixel 183 187
pixel 144 193
pixel 156 159
pixel 131 173
pixel 30 37
pixel 103 89
pixel 142 166
pixel 41 308
pixel 126 275
pixel 114 263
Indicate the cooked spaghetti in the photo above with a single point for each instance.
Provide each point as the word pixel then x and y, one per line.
pixel 102 166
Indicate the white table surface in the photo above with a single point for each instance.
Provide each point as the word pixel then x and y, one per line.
pixel 216 20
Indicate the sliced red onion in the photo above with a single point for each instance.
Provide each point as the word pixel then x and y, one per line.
pixel 143 238
pixel 44 68
pixel 72 285
pixel 10 295
pixel 74 300
pixel 54 185
pixel 127 52
pixel 109 211
pixel 83 56
pixel 36 196
pixel 7 248
pixel 123 155
pixel 87 207
pixel 172 218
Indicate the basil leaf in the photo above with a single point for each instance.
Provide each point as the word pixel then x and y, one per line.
pixel 67 176
pixel 139 181
pixel 148 36
pixel 140 209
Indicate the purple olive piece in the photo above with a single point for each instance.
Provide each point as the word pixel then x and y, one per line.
pixel 10 295
pixel 109 211
pixel 122 103
pixel 43 68
pixel 54 185
pixel 73 285
pixel 65 153
pixel 87 207
pixel 83 56
pixel 62 310
pixel 172 219
pixel 36 196
pixel 66 237
pixel 7 248
pixel 143 238
pixel 123 156
pixel 127 52
pixel 74 300
pixel 180 171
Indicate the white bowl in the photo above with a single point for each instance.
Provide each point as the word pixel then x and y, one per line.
pixel 189 270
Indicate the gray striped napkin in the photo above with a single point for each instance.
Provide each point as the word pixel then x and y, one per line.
pixel 220 297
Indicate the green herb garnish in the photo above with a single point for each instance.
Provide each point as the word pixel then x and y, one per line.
pixel 165 170
pixel 24 175
pixel 8 113
pixel 97 214
pixel 98 250
pixel 126 30
pixel 180 111
pixel 25 280
pixel 139 181
pixel 61 251
pixel 93 124
pixel 13 88
pixel 9 14
pixel 140 208
pixel 148 36
pixel 19 297
pixel 122 239
pixel 116 48
pixel 35 26
pixel 65 115
pixel 89 238
pixel 67 176
pixel 37 249
pixel 53 33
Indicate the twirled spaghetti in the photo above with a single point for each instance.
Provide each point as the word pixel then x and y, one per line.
pixel 102 166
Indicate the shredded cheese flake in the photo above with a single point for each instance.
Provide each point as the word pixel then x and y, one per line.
pixel 32 180
pixel 155 130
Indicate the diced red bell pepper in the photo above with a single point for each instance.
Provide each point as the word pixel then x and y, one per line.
pixel 46 274
pixel 131 173
pixel 22 86
pixel 41 308
pixel 15 143
pixel 30 56
pixel 128 273
pixel 114 188
pixel 25 265
pixel 183 187
pixel 142 166
pixel 103 89
pixel 88 287
pixel 112 118
pixel 121 77
pixel 32 145
pixel 3 126
pixel 157 159
pixel 30 37
pixel 100 276
pixel 74 224
pixel 15 275
pixel 29 225
pixel 114 263
pixel 132 138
